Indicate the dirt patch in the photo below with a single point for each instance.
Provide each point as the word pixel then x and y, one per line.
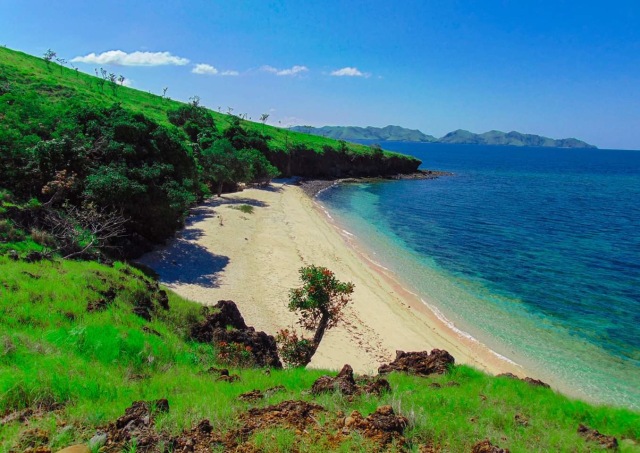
pixel 136 423
pixel 593 435
pixel 255 395
pixel 382 426
pixel 420 363
pixel 485 446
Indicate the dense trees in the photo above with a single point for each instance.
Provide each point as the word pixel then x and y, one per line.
pixel 121 162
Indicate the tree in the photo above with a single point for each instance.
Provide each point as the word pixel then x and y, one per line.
pixel 319 302
pixel 48 56
pixel 264 117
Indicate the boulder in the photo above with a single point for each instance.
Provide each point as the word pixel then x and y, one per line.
pixel 226 325
pixel 420 363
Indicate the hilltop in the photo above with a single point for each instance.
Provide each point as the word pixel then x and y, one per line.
pixel 460 136
pixel 387 133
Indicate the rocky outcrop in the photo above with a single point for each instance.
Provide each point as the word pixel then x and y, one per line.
pixel 593 435
pixel 528 380
pixel 345 384
pixel 420 363
pixel 382 426
pixel 225 325
pixel 136 423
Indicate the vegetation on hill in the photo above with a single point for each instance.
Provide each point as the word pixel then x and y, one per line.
pixel 460 136
pixel 70 142
pixel 81 341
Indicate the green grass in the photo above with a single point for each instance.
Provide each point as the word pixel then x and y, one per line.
pixel 245 208
pixel 27 80
pixel 97 363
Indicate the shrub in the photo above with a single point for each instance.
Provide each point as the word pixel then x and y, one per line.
pixel 294 351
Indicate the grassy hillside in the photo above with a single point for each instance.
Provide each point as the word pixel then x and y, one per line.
pixel 78 366
pixel 57 88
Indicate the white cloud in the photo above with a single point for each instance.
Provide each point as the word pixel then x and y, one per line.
pixel 293 71
pixel 206 69
pixel 127 82
pixel 118 57
pixel 229 73
pixel 349 72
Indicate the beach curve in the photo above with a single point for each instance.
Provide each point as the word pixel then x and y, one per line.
pixel 253 259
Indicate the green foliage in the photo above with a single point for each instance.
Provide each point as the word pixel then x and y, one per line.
pixel 321 296
pixel 295 351
pixel 319 303
pixel 247 209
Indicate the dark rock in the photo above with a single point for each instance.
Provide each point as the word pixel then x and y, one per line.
pixel 508 375
pixel 528 380
pixel 253 395
pixel 13 255
pixel 536 382
pixel 228 378
pixel 226 325
pixel 226 314
pixel 163 299
pixel 373 386
pixel 593 435
pixel 151 331
pixel 485 446
pixel 33 257
pixel 218 371
pixel 343 383
pixel 136 423
pixel 420 363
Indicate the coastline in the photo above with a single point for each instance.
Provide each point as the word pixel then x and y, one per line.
pixel 254 259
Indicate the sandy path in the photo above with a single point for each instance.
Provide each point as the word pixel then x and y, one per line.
pixel 253 259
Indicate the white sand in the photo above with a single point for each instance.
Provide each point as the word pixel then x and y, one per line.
pixel 253 259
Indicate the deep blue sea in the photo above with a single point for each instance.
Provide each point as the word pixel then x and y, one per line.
pixel 535 252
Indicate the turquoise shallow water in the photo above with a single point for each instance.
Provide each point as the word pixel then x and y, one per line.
pixel 534 252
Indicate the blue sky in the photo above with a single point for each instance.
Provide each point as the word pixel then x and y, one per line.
pixel 555 68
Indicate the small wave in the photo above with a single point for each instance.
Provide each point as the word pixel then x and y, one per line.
pixel 462 333
pixel 348 234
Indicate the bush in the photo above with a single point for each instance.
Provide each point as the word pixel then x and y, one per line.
pixel 235 354
pixel 294 351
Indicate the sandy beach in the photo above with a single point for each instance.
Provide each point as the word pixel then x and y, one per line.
pixel 253 259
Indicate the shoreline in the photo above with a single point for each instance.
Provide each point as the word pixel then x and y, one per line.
pixel 254 259
pixel 312 187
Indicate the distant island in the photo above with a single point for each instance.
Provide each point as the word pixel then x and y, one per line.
pixel 460 136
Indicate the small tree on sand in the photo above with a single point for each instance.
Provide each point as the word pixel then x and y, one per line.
pixel 319 302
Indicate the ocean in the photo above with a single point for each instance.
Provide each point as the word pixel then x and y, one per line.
pixel 534 252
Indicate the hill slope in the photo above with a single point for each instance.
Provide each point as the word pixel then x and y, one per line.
pixel 69 140
pixel 78 348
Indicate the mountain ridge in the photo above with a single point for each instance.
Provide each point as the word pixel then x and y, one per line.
pixel 459 136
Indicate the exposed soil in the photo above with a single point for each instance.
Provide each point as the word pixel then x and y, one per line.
pixel 593 435
pixel 485 446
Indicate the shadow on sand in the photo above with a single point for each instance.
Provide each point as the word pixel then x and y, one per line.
pixel 187 263
pixel 215 202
